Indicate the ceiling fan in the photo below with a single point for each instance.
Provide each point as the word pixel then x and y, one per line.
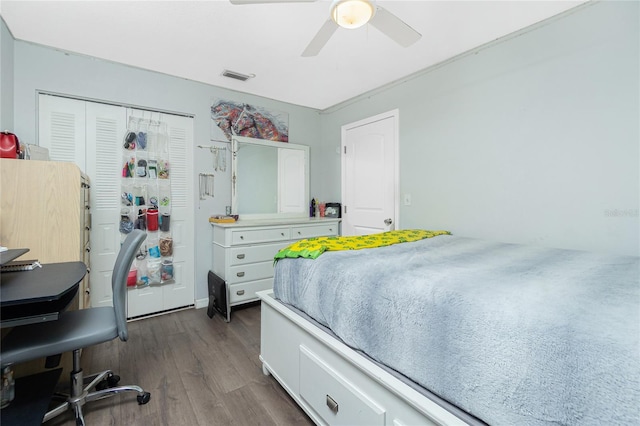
pixel 353 14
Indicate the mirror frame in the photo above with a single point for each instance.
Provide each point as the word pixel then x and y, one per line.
pixel 234 167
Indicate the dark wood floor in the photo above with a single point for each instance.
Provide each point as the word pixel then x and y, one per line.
pixel 200 371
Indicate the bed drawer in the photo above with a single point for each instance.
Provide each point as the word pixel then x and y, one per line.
pixel 244 292
pixel 334 398
pixel 249 272
pixel 249 236
pixel 298 232
pixel 252 254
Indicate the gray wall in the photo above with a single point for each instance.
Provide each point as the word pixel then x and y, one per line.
pixel 531 139
pixel 6 78
pixel 46 69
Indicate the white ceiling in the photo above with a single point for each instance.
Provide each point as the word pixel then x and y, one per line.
pixel 196 40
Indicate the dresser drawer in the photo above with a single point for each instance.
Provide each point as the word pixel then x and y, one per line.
pixel 249 236
pixel 252 254
pixel 299 232
pixel 336 400
pixel 250 272
pixel 244 292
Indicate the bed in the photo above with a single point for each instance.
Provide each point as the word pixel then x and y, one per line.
pixel 453 330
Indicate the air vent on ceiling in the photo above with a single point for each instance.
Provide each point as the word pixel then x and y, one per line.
pixel 237 75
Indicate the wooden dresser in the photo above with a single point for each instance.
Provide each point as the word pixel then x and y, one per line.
pixel 45 207
pixel 243 252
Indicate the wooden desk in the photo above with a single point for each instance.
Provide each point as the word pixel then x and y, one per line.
pixel 39 295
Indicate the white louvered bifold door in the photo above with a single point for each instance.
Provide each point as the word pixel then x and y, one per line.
pixel 91 135
pixel 106 125
pixel 61 128
pixel 181 293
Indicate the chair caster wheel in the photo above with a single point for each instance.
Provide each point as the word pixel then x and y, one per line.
pixel 144 398
pixel 113 380
pixel 109 382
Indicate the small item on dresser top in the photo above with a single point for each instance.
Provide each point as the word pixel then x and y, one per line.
pixel 332 210
pixel 312 208
pixel 223 219
pixel 35 152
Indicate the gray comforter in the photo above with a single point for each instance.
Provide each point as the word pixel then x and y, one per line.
pixel 515 335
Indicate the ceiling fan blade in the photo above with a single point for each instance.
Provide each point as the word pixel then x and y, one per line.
pixel 394 27
pixel 321 38
pixel 269 1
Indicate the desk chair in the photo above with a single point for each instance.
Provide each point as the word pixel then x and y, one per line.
pixel 75 330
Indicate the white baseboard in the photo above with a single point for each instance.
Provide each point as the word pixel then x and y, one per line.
pixel 202 303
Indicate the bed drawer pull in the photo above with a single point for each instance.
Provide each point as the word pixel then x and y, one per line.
pixel 240 292
pixel 240 256
pixel 240 274
pixel 332 404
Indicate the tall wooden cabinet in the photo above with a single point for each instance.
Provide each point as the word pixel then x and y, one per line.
pixel 44 206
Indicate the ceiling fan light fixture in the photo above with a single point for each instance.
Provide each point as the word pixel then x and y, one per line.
pixel 351 13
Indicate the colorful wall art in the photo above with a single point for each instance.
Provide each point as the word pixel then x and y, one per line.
pixel 229 118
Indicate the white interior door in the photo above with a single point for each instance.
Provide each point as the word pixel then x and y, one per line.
pixel 370 175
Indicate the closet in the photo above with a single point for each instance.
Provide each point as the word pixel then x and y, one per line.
pixel 94 136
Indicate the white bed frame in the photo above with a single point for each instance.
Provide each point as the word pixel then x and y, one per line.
pixel 331 382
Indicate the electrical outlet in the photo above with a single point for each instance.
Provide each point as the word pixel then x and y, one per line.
pixel 407 199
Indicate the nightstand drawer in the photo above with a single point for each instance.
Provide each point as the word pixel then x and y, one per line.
pixel 299 232
pixel 248 236
pixel 249 272
pixel 252 254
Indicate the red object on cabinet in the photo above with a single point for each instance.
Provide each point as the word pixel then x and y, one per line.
pixel 9 145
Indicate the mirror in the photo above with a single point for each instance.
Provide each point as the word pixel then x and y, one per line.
pixel 269 179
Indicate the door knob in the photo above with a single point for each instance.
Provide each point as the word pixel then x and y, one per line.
pixel 388 221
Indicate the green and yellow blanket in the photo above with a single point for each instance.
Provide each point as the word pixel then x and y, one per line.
pixel 311 248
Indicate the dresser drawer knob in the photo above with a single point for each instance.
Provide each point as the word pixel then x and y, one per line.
pixel 282 233
pixel 240 274
pixel 242 237
pixel 330 229
pixel 240 256
pixel 299 233
pixel 240 292
pixel 332 404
